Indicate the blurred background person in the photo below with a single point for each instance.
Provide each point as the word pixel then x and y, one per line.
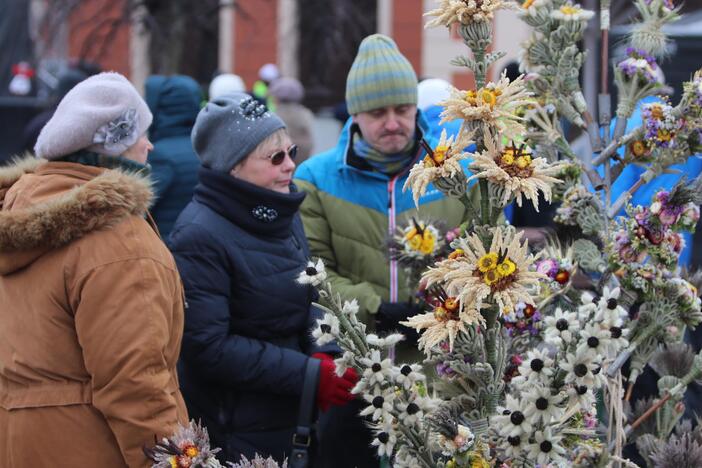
pixel 226 83
pixel 430 92
pixel 287 94
pixel 174 101
pixel 267 74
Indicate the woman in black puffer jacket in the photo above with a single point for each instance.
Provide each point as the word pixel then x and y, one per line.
pixel 239 246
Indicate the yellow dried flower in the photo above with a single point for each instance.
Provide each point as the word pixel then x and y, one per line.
pixel 507 267
pixel 494 105
pixel 487 262
pixel 491 277
pixel 507 158
pixel 428 243
pixel 462 277
pixel 445 163
pixel 525 177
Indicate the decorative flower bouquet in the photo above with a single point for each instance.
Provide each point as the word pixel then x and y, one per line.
pixel 419 244
pixel 521 355
pixel 529 367
pixel 189 447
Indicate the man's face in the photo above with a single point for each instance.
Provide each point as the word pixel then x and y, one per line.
pixel 388 129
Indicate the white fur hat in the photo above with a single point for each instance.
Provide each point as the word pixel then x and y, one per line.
pixel 103 113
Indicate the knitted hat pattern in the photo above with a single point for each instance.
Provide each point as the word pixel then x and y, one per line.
pixel 230 128
pixel 379 77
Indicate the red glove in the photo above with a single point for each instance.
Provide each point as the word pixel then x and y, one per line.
pixel 333 390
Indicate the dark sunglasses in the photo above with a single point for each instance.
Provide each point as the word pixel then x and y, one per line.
pixel 278 157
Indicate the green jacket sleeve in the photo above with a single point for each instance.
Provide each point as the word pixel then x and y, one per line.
pixel 319 236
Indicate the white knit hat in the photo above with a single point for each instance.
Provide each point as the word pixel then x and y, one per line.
pixel 103 113
pixel 432 91
pixel 269 72
pixel 226 83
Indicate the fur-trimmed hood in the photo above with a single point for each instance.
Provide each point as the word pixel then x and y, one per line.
pixel 45 205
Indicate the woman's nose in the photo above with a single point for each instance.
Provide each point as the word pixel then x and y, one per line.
pixel 288 163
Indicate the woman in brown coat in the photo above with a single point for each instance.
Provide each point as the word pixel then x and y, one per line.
pixel 91 304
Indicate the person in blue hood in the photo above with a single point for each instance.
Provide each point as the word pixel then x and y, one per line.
pixel 175 102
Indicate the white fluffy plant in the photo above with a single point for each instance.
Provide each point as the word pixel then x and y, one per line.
pixel 395 394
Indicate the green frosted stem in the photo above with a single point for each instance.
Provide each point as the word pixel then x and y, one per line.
pixel 626 354
pixel 484 202
pixel 357 341
pixel 491 349
pixel 470 209
pixel 481 67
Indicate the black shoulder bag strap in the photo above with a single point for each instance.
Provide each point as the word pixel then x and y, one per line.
pixel 302 438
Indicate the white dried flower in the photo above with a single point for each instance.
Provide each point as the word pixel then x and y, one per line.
pixel 378 370
pixel 570 12
pixel 380 404
pixel 314 274
pixel 385 342
pixel 327 330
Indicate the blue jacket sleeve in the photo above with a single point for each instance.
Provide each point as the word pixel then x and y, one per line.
pixel 209 345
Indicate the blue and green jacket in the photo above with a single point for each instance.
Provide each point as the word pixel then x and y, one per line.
pixel 349 212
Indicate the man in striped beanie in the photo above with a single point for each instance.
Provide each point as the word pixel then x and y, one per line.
pixel 355 200
pixel 381 95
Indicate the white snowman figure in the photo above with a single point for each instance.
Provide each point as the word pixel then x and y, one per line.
pixel 21 83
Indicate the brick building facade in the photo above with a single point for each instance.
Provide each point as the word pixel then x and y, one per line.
pixel 254 32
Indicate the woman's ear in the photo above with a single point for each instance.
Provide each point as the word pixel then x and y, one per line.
pixel 237 168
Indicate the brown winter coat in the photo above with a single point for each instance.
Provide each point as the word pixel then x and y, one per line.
pixel 91 318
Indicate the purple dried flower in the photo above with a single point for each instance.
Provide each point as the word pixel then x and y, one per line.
pixel 628 254
pixel 444 370
pixel 662 196
pixel 641 216
pixel 547 267
pixel 669 215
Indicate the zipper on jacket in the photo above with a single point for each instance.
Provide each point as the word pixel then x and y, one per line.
pixel 392 221
pixel 392 224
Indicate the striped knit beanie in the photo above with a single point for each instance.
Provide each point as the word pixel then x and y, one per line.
pixel 379 77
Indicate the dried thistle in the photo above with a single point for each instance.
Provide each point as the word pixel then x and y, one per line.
pixel 257 462
pixel 682 449
pixel 674 359
pixel 648 34
pixel 188 447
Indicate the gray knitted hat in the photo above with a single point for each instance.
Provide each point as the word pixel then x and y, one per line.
pixel 229 128
pixel 103 113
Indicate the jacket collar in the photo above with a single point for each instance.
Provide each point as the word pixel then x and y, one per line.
pixel 253 208
pixel 61 203
pixel 344 148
